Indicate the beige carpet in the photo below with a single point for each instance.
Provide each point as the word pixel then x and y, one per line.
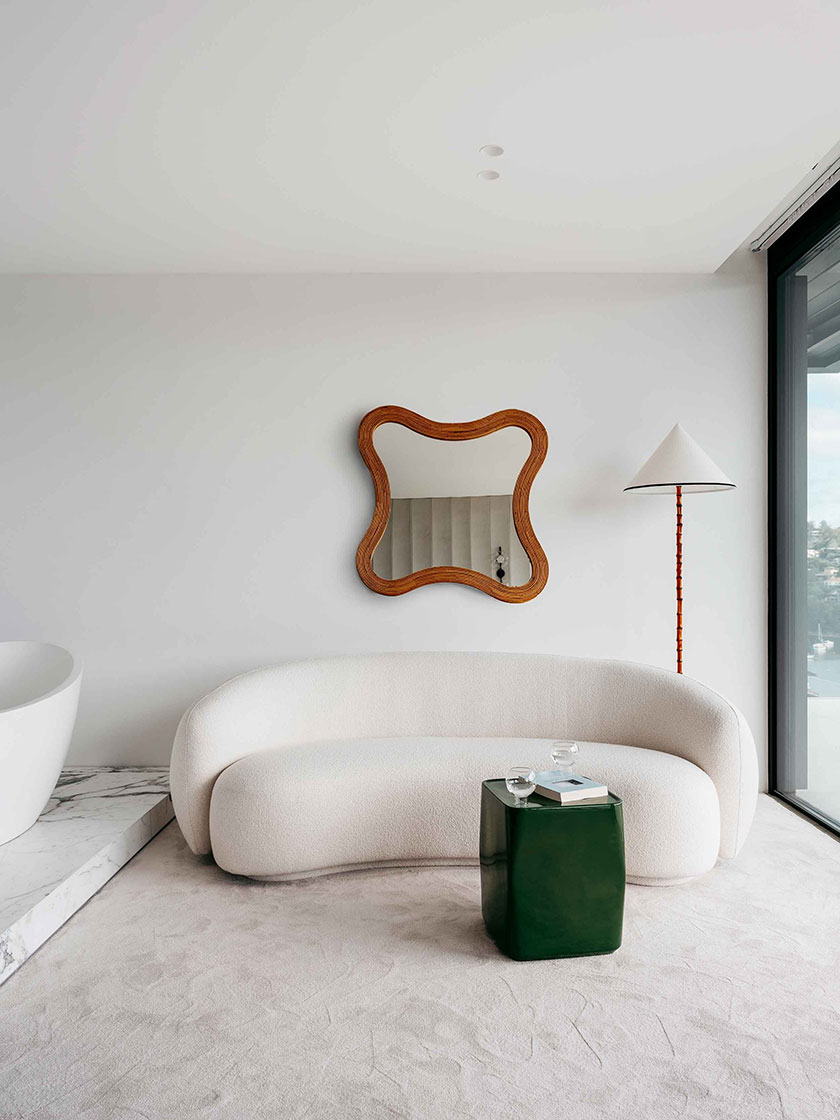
pixel 182 992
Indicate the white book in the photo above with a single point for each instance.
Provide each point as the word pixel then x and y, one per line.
pixel 567 788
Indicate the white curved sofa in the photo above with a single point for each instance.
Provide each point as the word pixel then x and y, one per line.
pixel 376 761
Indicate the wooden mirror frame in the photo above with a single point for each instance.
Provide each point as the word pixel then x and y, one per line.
pixel 472 429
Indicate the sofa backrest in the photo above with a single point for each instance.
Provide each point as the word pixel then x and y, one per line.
pixel 464 694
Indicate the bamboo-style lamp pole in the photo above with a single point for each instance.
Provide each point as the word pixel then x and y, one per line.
pixel 679 579
pixel 679 466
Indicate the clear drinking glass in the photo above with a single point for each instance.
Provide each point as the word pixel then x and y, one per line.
pixel 564 754
pixel 521 781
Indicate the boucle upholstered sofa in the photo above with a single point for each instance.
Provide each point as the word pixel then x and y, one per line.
pixel 376 761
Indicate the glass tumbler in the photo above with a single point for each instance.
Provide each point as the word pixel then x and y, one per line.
pixel 521 782
pixel 564 754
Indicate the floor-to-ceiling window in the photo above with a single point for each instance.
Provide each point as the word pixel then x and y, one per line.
pixel 804 291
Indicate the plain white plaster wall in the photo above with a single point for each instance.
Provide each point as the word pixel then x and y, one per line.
pixel 182 497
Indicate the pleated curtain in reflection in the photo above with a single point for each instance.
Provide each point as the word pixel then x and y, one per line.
pixel 464 532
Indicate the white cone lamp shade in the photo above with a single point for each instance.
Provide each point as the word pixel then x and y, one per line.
pixel 679 461
pixel 679 466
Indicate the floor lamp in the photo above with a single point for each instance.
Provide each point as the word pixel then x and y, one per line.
pixel 679 466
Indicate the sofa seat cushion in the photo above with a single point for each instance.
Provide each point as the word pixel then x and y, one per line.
pixel 297 811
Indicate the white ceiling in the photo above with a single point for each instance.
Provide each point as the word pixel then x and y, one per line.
pixel 322 135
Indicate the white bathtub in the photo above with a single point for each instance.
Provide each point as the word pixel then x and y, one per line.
pixel 39 694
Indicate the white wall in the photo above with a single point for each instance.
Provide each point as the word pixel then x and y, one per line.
pixel 182 497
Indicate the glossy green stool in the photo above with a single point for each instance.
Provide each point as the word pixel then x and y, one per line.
pixel 552 875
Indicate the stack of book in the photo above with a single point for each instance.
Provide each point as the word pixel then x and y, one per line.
pixel 568 788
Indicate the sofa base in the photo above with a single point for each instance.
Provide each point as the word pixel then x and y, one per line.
pixel 635 881
pixel 396 864
pixel 317 872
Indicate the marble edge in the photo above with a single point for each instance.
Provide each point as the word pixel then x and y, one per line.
pixel 29 932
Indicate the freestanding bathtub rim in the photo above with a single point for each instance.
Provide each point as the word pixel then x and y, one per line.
pixel 76 666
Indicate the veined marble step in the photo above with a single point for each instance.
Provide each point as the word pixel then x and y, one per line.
pixel 97 818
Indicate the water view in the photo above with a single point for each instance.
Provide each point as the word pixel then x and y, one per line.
pixel 824 676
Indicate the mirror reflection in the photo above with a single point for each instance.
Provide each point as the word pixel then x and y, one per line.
pixel 451 504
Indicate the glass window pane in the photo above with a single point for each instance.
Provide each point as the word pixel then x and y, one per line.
pixel 808 529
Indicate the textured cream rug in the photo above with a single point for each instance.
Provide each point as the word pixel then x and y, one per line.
pixel 181 992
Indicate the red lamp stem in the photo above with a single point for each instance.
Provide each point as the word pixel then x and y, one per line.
pixel 679 582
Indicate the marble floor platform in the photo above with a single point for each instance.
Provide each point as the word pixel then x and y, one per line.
pixel 97 818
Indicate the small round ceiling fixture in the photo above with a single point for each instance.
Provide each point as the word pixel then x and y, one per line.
pixel 492 150
pixel 488 175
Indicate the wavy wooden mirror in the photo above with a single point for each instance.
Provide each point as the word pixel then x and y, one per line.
pixel 451 503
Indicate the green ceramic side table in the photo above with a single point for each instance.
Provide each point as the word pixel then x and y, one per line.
pixel 552 875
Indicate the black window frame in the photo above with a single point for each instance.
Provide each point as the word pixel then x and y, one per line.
pixel 815 224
